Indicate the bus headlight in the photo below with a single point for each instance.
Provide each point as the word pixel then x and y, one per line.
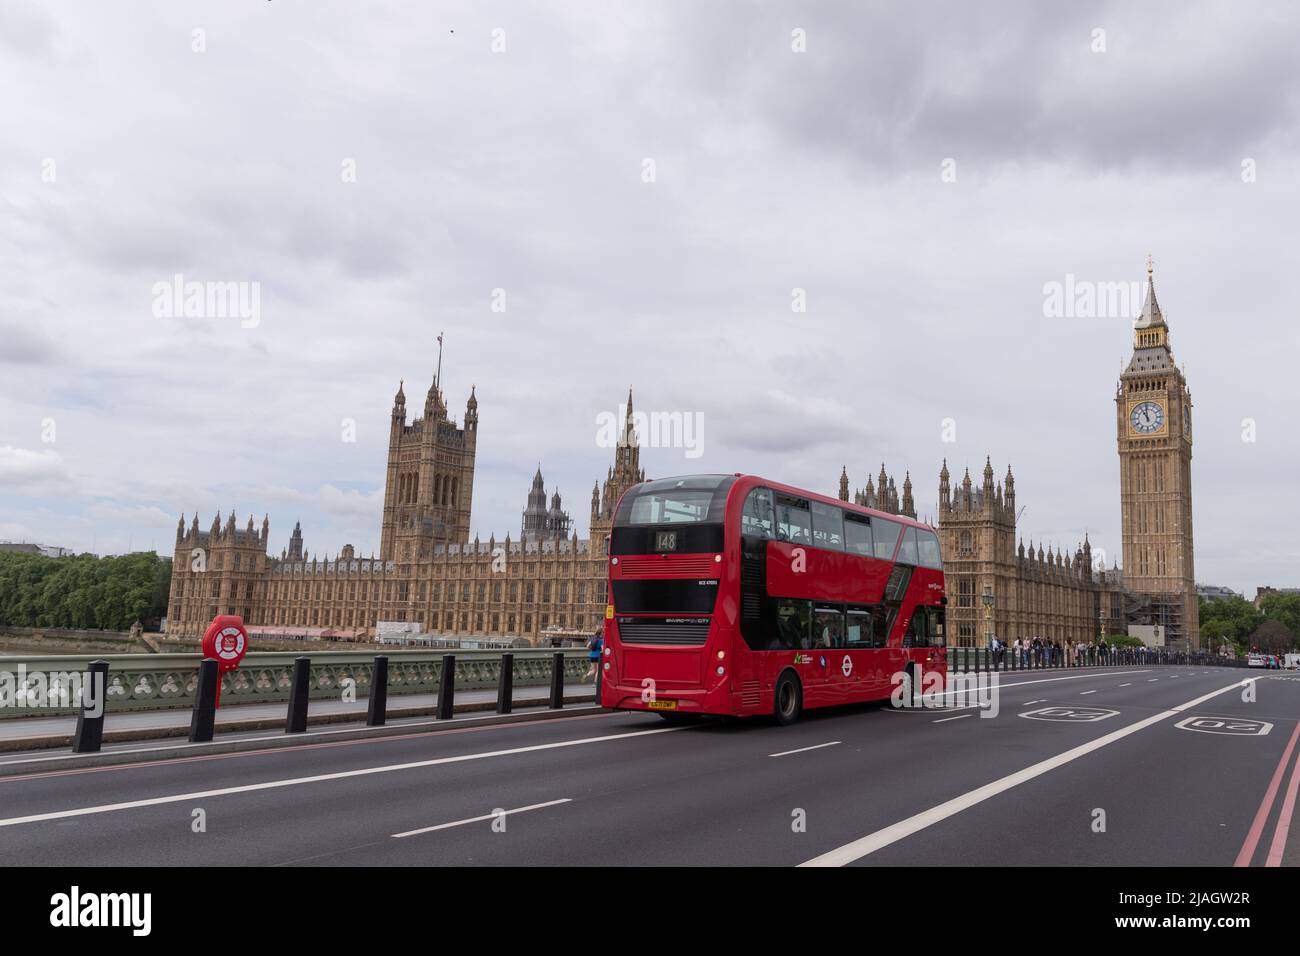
pixel 606 665
pixel 721 671
pixel 613 560
pixel 717 559
pixel 609 651
pixel 721 654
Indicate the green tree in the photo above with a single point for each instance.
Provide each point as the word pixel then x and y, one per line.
pixel 1232 619
pixel 82 591
pixel 1282 608
pixel 1273 637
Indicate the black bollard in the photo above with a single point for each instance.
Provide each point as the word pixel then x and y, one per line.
pixel 447 687
pixel 90 728
pixel 377 709
pixel 557 681
pixel 203 718
pixel 505 684
pixel 298 696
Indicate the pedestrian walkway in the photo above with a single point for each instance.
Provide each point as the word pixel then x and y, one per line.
pixel 22 733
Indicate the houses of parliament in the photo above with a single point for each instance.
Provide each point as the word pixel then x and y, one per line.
pixel 430 576
pixel 428 573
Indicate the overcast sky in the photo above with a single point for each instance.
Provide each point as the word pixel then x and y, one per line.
pixel 922 171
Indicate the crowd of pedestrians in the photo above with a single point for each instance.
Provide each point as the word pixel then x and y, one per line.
pixel 1034 652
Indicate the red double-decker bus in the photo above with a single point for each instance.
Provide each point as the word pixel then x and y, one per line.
pixel 731 594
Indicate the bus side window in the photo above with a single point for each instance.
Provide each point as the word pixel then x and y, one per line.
pixel 828 526
pixel 756 516
pixel 857 535
pixel 828 627
pixel 914 636
pixel 909 553
pixel 935 618
pixel 929 545
pixel 885 535
pixel 793 523
pixel 860 631
pixel 883 618
pixel 793 625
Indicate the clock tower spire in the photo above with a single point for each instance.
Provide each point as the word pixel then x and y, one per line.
pixel 1154 436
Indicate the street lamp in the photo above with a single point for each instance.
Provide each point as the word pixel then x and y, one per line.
pixel 988 615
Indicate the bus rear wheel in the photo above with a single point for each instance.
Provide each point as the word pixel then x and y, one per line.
pixel 788 703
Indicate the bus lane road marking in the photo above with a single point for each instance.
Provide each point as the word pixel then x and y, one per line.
pixel 857 849
pixel 1226 726
pixel 1069 715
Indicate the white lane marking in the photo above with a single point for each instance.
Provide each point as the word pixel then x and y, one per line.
pixel 786 753
pixel 1051 680
pixel 1031 702
pixel 324 777
pixel 914 824
pixel 1129 684
pixel 488 816
pixel 946 719
pixel 1087 692
pixel 1152 680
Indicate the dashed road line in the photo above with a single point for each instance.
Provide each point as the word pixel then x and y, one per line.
pixel 786 753
pixel 489 816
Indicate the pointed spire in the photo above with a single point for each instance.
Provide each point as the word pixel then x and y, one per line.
pixel 1151 314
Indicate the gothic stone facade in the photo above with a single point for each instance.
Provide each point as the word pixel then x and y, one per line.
pixel 1036 593
pixel 428 572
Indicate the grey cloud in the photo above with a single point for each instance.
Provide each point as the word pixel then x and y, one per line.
pixel 522 171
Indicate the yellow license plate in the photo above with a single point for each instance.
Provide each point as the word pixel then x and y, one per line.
pixel 662 704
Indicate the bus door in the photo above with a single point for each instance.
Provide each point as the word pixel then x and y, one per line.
pixel 834 664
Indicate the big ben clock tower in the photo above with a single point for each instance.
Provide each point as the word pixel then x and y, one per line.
pixel 1153 410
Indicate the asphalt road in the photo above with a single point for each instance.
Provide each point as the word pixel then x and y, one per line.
pixel 1037 784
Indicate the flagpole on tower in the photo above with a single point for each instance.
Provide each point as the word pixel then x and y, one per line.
pixel 437 378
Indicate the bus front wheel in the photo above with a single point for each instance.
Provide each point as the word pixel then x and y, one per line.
pixel 789 699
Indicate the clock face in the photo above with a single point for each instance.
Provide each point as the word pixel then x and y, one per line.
pixel 1146 417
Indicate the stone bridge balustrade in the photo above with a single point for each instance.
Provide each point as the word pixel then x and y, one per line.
pixel 170 681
